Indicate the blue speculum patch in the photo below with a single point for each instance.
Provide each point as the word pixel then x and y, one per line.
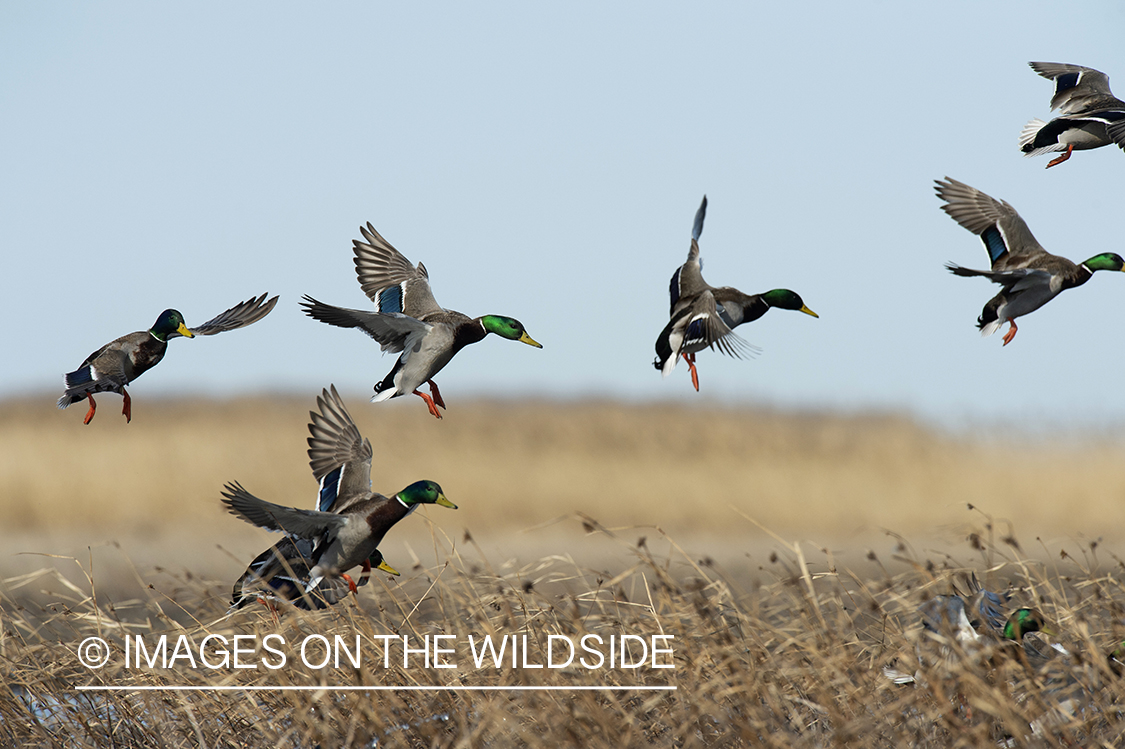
pixel 994 243
pixel 329 489
pixel 674 286
pixel 390 299
pixel 80 376
pixel 694 331
pixel 1066 81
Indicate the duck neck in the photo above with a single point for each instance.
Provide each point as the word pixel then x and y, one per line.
pixel 468 333
pixel 386 515
pixel 753 308
pixel 1080 277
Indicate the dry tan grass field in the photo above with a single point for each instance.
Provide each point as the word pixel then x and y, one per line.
pixel 758 539
pixel 516 465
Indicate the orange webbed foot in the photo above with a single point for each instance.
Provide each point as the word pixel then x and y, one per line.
pixel 1011 332
pixel 435 393
pixel 351 583
pixel 93 408
pixel 127 408
pixel 429 403
pixel 270 606
pixel 690 359
pixel 1061 159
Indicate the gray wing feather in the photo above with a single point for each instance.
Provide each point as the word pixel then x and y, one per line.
pixel 977 211
pixel 336 442
pixel 1016 278
pixel 390 330
pixel 378 265
pixel 238 316
pixel 300 523
pixel 1116 131
pixel 1091 91
pixel 716 333
pixel 697 226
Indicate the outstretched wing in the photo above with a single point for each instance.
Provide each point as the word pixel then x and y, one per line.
pixel 1114 120
pixel 392 330
pixel 704 327
pixel 388 278
pixel 1078 89
pixel 238 316
pixel 1005 234
pixel 300 523
pixel 1016 279
pixel 697 225
pixel 688 281
pixel 339 455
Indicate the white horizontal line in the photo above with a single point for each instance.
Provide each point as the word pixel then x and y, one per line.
pixel 368 689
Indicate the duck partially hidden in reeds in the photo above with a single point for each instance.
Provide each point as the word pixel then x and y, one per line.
pixel 124 359
pixel 1028 274
pixel 959 623
pixel 281 573
pixel 407 319
pixel 1090 116
pixel 342 533
pixel 341 540
pixel 704 316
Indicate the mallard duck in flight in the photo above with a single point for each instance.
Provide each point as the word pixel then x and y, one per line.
pixel 703 316
pixel 124 359
pixel 408 320
pixel 341 540
pixel 1029 275
pixel 1090 115
pixel 340 459
pixel 350 520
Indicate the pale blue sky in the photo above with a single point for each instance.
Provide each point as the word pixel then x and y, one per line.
pixel 545 162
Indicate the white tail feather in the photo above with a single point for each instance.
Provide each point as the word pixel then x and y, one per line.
pixel 1027 135
pixel 670 364
pixel 388 393
pixel 989 329
pixel 1029 131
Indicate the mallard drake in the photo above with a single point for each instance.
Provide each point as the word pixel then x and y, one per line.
pixel 945 619
pixel 952 619
pixel 408 320
pixel 1024 621
pixel 350 519
pixel 340 459
pixel 342 540
pixel 1090 115
pixel 1030 276
pixel 704 316
pixel 281 572
pixel 119 362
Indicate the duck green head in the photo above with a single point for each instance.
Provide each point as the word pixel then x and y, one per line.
pixel 786 299
pixel 1105 261
pixel 169 325
pixel 378 563
pixel 1115 659
pixel 424 493
pixel 508 327
pixel 1023 621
